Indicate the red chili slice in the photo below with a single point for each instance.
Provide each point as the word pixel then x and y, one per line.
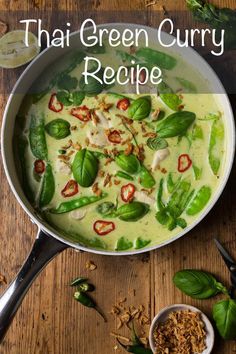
pixel 123 104
pixel 82 113
pixel 39 166
pixel 184 162
pixel 70 189
pixel 114 137
pixel 102 227
pixel 127 192
pixel 54 105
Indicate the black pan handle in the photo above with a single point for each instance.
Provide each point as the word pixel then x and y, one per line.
pixel 44 249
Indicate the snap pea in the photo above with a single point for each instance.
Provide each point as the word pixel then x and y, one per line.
pixel 160 203
pixel 123 244
pixel 105 208
pixel 216 145
pixel 77 203
pixel 179 198
pixel 87 301
pixel 199 201
pixel 48 187
pixel 171 185
pixel 157 58
pixel 141 243
pixel 130 212
pixel 37 137
pixel 146 179
pixel 124 175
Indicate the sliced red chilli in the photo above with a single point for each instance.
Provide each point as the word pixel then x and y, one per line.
pixel 54 105
pixel 39 166
pixel 102 227
pixel 123 104
pixel 70 189
pixel 127 192
pixel 83 113
pixel 184 162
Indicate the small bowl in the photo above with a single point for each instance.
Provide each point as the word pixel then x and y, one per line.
pixel 163 315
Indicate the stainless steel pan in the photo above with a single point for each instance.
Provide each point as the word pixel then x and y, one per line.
pixel 50 242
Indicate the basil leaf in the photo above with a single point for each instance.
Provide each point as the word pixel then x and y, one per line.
pixel 157 143
pixel 146 179
pixel 187 85
pixel 105 207
pixel 171 185
pixel 78 97
pixel 181 223
pixel 197 132
pixel 93 86
pixel 157 58
pixel 197 284
pixel 175 124
pixel 199 201
pixel 171 100
pixel 65 98
pixel 132 211
pixel 140 108
pixel 37 137
pixel 124 175
pixel 58 128
pixel 48 187
pixel 66 82
pixel 216 145
pixel 123 244
pixel 179 199
pixel 128 163
pixel 85 167
pixel 162 217
pixel 224 314
pixel 162 87
pixel 141 243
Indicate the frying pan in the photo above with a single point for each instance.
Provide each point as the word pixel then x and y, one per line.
pixel 49 242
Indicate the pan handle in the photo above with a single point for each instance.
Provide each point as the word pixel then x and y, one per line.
pixel 44 249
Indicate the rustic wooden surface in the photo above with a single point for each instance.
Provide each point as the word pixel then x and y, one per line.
pixel 49 320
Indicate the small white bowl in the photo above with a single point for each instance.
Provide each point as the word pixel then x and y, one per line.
pixel 163 315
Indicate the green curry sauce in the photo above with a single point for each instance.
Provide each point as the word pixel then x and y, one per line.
pixel 121 171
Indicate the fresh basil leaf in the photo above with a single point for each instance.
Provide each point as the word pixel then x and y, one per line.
pixel 181 223
pixel 65 98
pixel 66 82
pixel 162 217
pixel 187 85
pixel 85 167
pixel 22 145
pixel 216 145
pixel 105 208
pixel 141 243
pixel 175 124
pixel 199 201
pixel 93 86
pixel 58 128
pixel 37 137
pixel 78 97
pixel 124 175
pixel 140 108
pixel 145 178
pixel 132 211
pixel 157 58
pixel 157 143
pixel 123 244
pixel 48 187
pixel 224 314
pixel 171 100
pixel 128 163
pixel 197 284
pixel 179 198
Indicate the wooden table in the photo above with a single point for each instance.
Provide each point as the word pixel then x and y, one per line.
pixel 49 320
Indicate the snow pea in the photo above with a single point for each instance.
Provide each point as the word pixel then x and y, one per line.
pixel 124 175
pixel 171 100
pixel 37 137
pixel 199 201
pixel 157 58
pixel 171 185
pixel 216 145
pixel 77 203
pixel 146 179
pixel 48 187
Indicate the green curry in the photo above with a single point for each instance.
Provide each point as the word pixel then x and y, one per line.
pixel 121 171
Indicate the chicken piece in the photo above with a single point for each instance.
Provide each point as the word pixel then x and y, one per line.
pixel 144 198
pixel 78 214
pixel 97 137
pixel 103 121
pixel 159 156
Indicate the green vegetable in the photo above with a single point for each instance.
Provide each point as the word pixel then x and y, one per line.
pixel 105 208
pixel 156 58
pixel 66 82
pixel 139 108
pixel 181 223
pixel 171 185
pixel 73 204
pixel 65 98
pixel 48 187
pixel 22 145
pixel 128 163
pixel 197 132
pixel 78 97
pixel 78 281
pixel 61 151
pixel 58 128
pixel 96 49
pixel 175 124
pixel 141 243
pixel 125 56
pixel 224 314
pixel 160 203
pixel 172 100
pixel 124 175
pixel 85 167
pixel 145 177
pixel 87 301
pixel 179 199
pixel 93 86
pixel 199 201
pixel 132 211
pixel 217 18
pixel 187 85
pixel 123 244
pixel 157 143
pixel 85 287
pixel 198 284
pixel 37 137
pixel 216 145
pixel 197 172
pixel 137 346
